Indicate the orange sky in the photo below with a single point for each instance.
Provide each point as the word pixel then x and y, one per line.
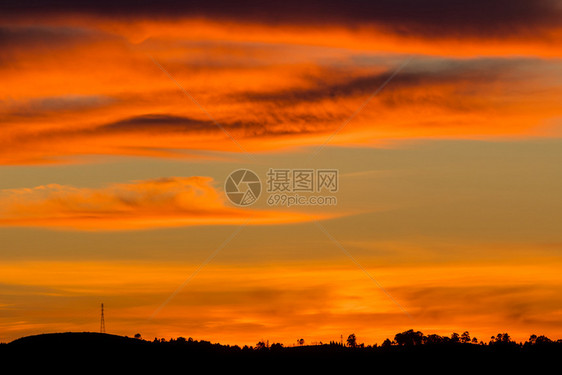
pixel 119 126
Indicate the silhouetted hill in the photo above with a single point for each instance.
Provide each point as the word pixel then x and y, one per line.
pixel 95 350
pixel 75 339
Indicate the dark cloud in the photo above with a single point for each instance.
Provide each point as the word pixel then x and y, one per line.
pixel 434 18
pixel 38 36
pixel 418 74
pixel 19 41
pixel 156 123
pixel 164 123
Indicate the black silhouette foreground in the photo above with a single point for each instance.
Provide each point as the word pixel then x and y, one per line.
pixel 410 350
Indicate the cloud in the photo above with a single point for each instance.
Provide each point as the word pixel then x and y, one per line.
pixel 423 73
pixel 431 18
pixel 165 202
pixel 167 123
pixel 300 106
pixel 46 107
pixel 79 88
pixel 45 38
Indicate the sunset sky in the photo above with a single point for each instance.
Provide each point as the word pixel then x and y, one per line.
pixel 121 121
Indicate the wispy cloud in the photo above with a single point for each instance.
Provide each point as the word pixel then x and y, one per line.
pixel 432 18
pixel 165 202
pixel 118 111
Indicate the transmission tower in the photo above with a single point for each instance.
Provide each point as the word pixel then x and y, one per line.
pixel 102 321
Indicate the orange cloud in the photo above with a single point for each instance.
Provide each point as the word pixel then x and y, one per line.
pixel 88 85
pixel 165 202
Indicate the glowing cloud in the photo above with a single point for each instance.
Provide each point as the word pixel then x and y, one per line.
pixel 83 79
pixel 165 202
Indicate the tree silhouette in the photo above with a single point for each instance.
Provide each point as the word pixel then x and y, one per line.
pixel 300 342
pixel 386 343
pixel 543 340
pixel 465 337
pixel 409 338
pixel 501 338
pixel 352 341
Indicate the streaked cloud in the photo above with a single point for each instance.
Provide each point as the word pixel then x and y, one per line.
pixel 264 107
pixel 80 79
pixel 166 202
pixel 430 18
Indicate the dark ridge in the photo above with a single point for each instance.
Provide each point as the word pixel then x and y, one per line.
pixel 409 351
pixel 74 339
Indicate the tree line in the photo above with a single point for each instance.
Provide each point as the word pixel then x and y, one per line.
pixel 409 338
